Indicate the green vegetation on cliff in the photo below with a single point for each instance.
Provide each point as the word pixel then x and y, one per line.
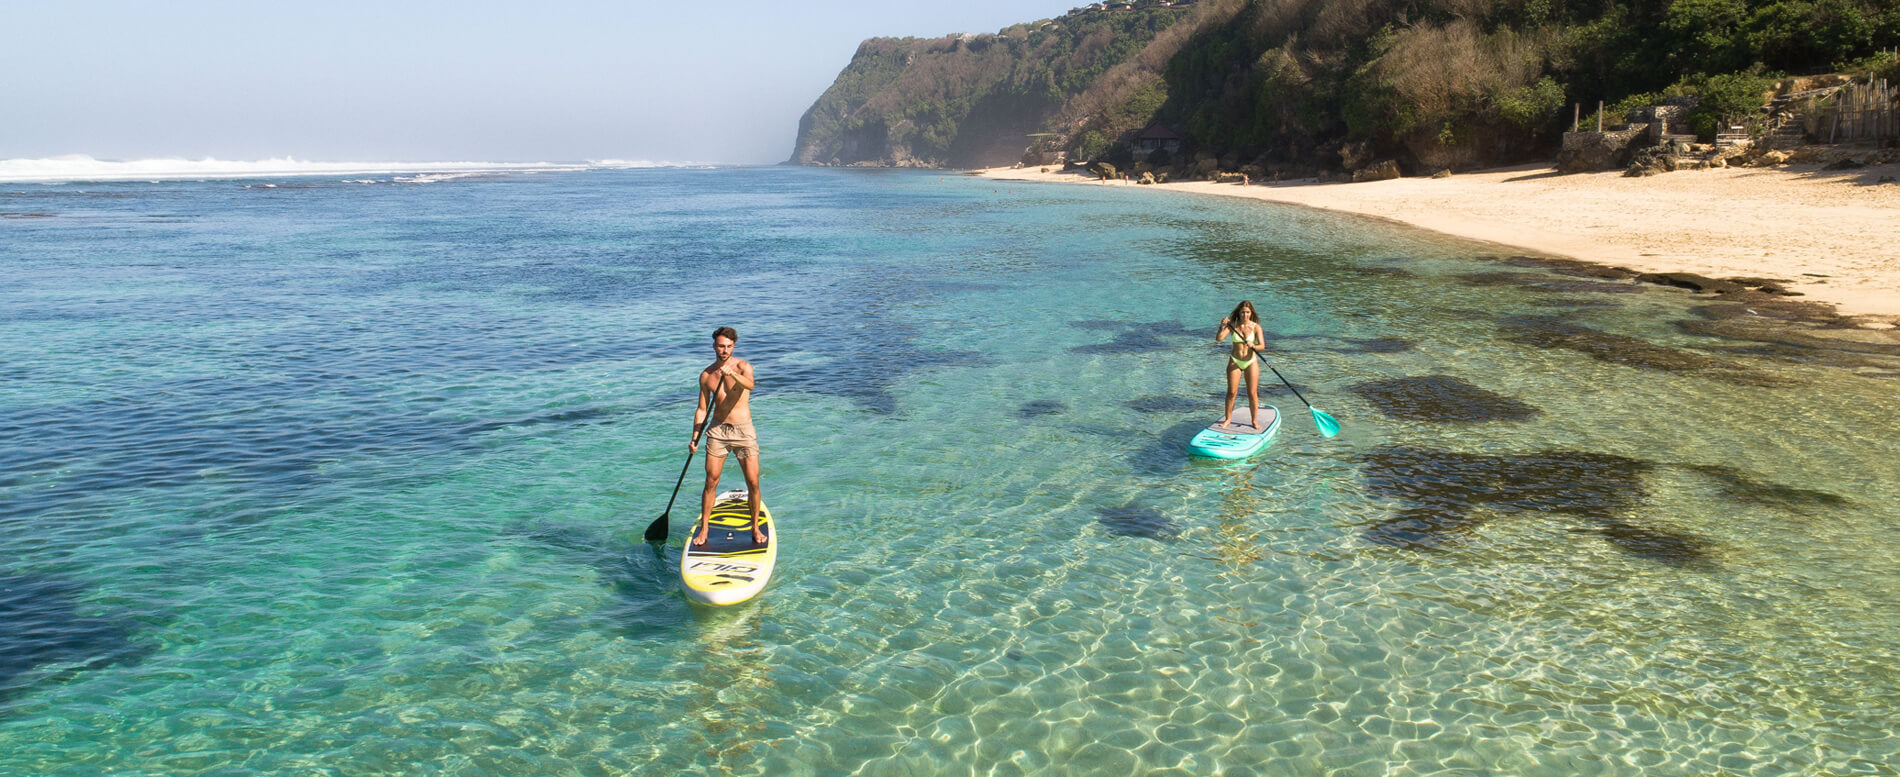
pixel 966 100
pixel 1314 84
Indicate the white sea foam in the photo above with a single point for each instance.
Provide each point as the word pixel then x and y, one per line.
pixel 628 164
pixel 86 168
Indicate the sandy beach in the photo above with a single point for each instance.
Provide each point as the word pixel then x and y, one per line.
pixel 1833 236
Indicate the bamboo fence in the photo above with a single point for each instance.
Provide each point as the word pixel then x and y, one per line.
pixel 1864 112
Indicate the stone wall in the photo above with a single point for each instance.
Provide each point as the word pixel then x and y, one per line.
pixel 1610 150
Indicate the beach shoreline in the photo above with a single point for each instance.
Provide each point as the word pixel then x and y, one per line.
pixel 1832 237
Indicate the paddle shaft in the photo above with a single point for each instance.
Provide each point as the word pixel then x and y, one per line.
pixel 661 526
pixel 1296 392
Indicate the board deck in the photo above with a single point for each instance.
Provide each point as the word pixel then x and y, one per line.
pixel 729 568
pixel 1237 439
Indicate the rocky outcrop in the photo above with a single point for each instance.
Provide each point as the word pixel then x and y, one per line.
pixel 1383 170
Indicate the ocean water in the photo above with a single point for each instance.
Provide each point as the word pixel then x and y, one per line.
pixel 300 476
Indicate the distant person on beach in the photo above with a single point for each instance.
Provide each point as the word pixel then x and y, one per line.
pixel 724 391
pixel 1243 327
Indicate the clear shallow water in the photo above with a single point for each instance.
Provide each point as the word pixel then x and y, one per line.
pixel 342 478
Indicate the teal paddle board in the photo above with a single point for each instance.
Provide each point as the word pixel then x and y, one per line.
pixel 1238 438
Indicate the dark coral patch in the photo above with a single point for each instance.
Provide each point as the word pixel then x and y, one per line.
pixel 1592 484
pixel 1126 342
pixel 1571 267
pixel 1421 528
pixel 1663 546
pixel 1141 521
pixel 1442 399
pixel 1155 403
pixel 1134 337
pixel 1741 488
pixel 1041 407
pixel 1498 278
pixel 1442 490
pixel 1554 332
pixel 1360 344
pixel 1157 328
pixel 1574 303
pixel 1789 333
pixel 42 625
pixel 1545 283
pixel 1590 287
pixel 1378 345
pixel 1393 272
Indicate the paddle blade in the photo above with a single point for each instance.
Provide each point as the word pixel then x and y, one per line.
pixel 656 531
pixel 1328 425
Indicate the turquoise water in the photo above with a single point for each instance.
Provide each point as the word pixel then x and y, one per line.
pixel 311 477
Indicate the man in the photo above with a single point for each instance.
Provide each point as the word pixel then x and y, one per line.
pixel 724 391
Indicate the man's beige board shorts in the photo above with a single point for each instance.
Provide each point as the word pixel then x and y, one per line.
pixel 740 439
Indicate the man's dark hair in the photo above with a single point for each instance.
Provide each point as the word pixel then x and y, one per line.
pixel 726 332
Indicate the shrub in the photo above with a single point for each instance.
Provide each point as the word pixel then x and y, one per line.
pixel 1089 146
pixel 1882 65
pixel 1800 35
pixel 1619 111
pixel 1730 96
pixel 1531 107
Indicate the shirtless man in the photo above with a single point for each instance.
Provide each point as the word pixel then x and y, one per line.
pixel 730 379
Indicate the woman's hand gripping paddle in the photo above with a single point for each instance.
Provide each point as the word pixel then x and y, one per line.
pixel 661 526
pixel 1328 426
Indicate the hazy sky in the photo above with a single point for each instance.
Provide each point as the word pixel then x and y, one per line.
pixel 557 80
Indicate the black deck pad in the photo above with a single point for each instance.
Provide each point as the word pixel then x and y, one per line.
pixel 726 539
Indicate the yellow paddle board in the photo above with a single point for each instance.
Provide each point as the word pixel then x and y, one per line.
pixel 729 568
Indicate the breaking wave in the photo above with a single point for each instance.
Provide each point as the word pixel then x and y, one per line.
pixel 80 167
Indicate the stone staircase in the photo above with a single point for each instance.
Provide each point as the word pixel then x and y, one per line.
pixel 1786 126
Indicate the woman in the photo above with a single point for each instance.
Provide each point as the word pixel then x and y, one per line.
pixel 1243 327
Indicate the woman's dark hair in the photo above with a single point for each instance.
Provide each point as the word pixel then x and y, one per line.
pixel 726 332
pixel 1234 317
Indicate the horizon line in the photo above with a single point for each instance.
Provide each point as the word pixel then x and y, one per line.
pixel 71 168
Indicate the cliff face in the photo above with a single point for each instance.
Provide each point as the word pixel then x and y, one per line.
pixel 1313 86
pixel 968 100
